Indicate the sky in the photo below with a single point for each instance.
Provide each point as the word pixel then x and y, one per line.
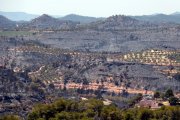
pixel 96 8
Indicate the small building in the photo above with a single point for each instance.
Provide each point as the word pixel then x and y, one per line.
pixel 84 99
pixel 148 97
pixel 166 103
pixel 152 104
pixel 107 102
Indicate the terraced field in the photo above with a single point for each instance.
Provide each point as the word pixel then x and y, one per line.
pixel 155 57
pixel 138 71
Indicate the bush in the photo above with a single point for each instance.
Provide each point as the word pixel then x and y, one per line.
pixel 169 93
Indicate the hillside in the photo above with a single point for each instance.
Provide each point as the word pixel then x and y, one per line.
pixel 6 23
pixel 119 22
pixel 47 22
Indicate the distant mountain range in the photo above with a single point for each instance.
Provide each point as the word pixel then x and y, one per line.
pixel 73 21
pixel 21 16
pixel 114 33
pixel 175 18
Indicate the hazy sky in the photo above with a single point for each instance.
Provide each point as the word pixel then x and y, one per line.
pixel 96 8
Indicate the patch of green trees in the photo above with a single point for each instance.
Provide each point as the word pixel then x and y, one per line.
pixel 94 109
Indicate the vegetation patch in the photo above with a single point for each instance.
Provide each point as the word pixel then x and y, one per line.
pixel 94 109
pixel 175 56
pixel 15 33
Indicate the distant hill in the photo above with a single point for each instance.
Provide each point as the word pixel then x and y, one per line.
pixel 47 22
pixel 79 18
pixel 44 19
pixel 176 13
pixel 18 16
pixel 6 23
pixel 160 18
pixel 21 16
pixel 118 22
pixel 72 21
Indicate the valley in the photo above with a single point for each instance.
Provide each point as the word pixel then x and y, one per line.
pixel 118 58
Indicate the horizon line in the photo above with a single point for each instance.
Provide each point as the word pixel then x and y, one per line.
pixel 85 15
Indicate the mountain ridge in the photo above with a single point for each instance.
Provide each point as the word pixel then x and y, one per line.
pixel 48 22
pixel 160 18
pixel 80 18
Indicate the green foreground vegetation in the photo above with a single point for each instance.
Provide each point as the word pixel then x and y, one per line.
pixel 15 33
pixel 94 109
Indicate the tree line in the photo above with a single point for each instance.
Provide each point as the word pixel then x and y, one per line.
pixel 94 109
